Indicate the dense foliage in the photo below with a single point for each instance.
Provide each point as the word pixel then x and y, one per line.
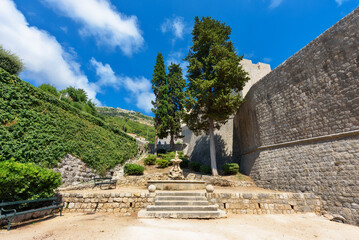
pixel 194 166
pixel 132 126
pixel 133 169
pixel 215 79
pixel 176 99
pixel 230 168
pixel 163 163
pixel 23 181
pixel 150 160
pixel 160 104
pixel 10 62
pixel 37 127
pixel 205 169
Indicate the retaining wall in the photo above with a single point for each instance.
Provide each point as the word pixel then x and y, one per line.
pixel 126 204
pixel 298 129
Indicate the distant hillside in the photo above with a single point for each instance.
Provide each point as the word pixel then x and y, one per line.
pixel 37 127
pixel 137 122
pixel 132 115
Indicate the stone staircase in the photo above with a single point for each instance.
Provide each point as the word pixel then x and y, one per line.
pixel 181 205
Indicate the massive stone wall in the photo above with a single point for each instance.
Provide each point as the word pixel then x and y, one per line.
pixel 299 127
pixel 198 146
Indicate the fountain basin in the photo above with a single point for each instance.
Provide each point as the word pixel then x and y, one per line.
pixel 177 184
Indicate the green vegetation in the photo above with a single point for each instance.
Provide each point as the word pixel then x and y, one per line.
pixel 205 169
pixel 160 105
pixel 213 75
pixel 10 62
pixel 37 127
pixel 194 166
pixel 176 98
pixel 132 126
pixel 150 160
pixel 230 168
pixel 184 163
pixel 50 89
pixel 163 163
pixel 132 115
pixel 133 169
pixel 23 181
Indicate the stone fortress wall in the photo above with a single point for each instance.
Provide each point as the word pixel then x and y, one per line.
pixel 198 146
pixel 298 129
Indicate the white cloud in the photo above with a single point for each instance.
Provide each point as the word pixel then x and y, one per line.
pixel 340 2
pixel 275 3
pixel 44 58
pixel 175 25
pixel 100 19
pixel 140 88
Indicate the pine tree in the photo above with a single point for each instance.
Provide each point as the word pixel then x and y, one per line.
pixel 160 105
pixel 176 85
pixel 215 79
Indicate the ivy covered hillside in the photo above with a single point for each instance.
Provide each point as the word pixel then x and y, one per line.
pixel 35 126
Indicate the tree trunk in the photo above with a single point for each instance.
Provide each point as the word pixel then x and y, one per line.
pixel 172 143
pixel 212 148
pixel 155 146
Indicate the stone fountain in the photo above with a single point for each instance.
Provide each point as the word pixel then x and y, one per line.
pixel 176 172
pixel 176 179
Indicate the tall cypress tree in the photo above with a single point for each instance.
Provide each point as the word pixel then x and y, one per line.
pixel 213 73
pixel 160 105
pixel 176 84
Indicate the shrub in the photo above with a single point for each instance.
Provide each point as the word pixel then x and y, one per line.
pixel 49 88
pixel 230 168
pixel 150 160
pixel 10 62
pixel 162 163
pixel 205 169
pixel 23 181
pixel 184 163
pixel 161 151
pixel 195 166
pixel 133 169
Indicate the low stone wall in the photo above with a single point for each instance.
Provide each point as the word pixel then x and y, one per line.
pixel 266 203
pixel 126 204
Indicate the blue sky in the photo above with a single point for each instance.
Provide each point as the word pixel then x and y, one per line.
pixel 109 47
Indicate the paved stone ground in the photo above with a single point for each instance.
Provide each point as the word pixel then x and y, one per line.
pixel 110 226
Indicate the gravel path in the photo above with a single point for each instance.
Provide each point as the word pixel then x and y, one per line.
pixel 108 226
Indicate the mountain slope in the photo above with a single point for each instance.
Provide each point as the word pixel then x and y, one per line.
pixel 37 127
pixel 137 123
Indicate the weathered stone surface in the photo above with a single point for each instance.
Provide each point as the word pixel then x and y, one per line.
pixel 313 94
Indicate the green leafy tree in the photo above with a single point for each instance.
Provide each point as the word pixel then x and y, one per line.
pixel 49 88
pixel 176 84
pixel 10 62
pixel 215 80
pixel 160 105
pixel 76 94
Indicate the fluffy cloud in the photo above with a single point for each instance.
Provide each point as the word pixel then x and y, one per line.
pixel 44 58
pixel 275 3
pixel 139 88
pixel 175 25
pixel 101 20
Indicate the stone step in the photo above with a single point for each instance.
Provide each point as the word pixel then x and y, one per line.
pixel 181 214
pixel 183 203
pixel 180 194
pixel 195 208
pixel 180 198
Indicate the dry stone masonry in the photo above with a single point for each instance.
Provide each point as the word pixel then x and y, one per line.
pixel 126 204
pixel 298 129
